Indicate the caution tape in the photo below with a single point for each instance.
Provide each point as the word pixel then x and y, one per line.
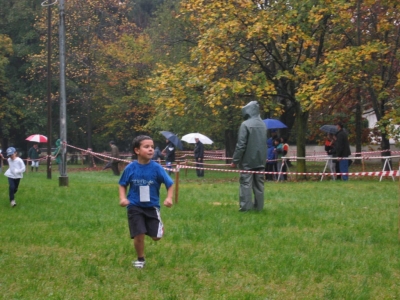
pixel 118 159
pixel 177 167
pixel 380 173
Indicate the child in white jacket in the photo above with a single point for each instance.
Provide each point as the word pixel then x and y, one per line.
pixel 14 173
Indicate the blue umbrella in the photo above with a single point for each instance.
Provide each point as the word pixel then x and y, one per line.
pixel 173 139
pixel 329 129
pixel 274 124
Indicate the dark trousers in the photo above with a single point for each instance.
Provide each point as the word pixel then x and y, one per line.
pixel 338 177
pixel 284 169
pixel 114 167
pixel 270 168
pixel 344 168
pixel 199 164
pixel 13 187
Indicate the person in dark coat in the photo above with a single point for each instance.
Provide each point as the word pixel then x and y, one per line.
pixel 199 157
pixel 157 156
pixel 342 149
pixel 169 154
pixel 271 165
pixel 33 155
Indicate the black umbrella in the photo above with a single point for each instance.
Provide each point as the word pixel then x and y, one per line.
pixel 173 139
pixel 329 129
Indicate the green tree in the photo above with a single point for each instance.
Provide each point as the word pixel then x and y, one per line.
pixel 91 26
pixel 22 115
pixel 250 50
pixel 363 65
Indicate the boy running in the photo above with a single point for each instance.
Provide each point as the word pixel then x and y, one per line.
pixel 144 178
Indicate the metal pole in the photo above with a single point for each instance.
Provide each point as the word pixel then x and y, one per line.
pixel 49 92
pixel 63 179
pixel 176 184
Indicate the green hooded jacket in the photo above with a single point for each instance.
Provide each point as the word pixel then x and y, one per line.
pixel 57 152
pixel 251 148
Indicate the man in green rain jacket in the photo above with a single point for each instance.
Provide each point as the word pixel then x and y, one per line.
pixel 57 154
pixel 250 155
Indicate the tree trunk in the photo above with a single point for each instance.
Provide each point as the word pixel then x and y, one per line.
pixel 358 127
pixel 89 132
pixel 230 144
pixel 301 129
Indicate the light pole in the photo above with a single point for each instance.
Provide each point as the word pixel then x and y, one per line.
pixel 49 75
pixel 63 179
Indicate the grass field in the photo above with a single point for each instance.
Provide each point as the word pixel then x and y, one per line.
pixel 313 240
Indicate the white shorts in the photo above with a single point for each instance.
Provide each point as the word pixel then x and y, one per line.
pixel 35 163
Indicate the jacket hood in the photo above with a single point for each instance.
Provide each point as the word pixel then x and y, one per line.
pixel 58 142
pixel 251 110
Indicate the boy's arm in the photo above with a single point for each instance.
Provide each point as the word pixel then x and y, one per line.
pixel 21 166
pixel 170 194
pixel 123 201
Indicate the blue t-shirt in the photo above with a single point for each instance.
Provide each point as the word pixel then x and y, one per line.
pixel 144 183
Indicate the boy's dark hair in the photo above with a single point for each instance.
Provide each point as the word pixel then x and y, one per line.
pixel 340 124
pixel 138 140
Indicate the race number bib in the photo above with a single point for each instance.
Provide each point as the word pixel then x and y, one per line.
pixel 144 193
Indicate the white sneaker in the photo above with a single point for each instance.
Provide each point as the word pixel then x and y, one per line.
pixel 138 264
pixel 13 203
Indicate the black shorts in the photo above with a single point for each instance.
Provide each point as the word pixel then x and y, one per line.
pixel 145 220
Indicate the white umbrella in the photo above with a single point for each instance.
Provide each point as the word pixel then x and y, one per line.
pixel 190 138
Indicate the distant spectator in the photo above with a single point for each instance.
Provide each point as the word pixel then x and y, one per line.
pixel 57 154
pixel 1 161
pixel 342 150
pixel 33 155
pixel 169 154
pixel 330 150
pixel 157 156
pixel 115 158
pixel 271 165
pixel 199 157
pixel 279 154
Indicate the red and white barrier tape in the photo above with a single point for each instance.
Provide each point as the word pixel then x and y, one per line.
pixel 380 173
pixel 180 166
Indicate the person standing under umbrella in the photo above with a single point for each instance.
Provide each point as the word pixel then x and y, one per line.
pixel 342 150
pixel 330 150
pixel 199 157
pixel 33 155
pixel 250 155
pixel 169 154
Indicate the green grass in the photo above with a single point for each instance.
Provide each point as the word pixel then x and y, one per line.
pixel 313 240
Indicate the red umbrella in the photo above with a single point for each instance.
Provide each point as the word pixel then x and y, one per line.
pixel 38 138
